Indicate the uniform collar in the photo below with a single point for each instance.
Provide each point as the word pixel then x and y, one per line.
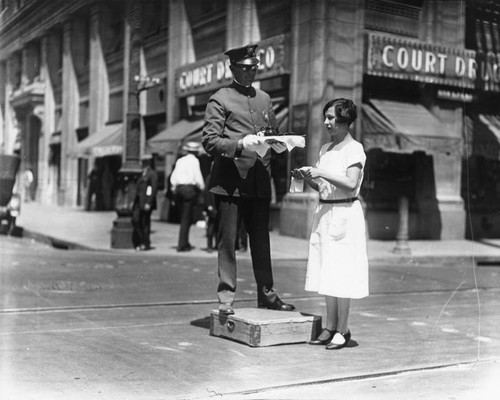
pixel 247 91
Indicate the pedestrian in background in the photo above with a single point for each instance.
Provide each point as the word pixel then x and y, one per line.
pixel 94 192
pixel 337 265
pixel 144 204
pixel 240 178
pixel 210 218
pixel 187 184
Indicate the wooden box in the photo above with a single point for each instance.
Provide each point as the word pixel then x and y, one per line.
pixel 261 327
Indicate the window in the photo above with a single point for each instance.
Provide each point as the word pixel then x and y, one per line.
pixel 274 17
pixel 208 26
pixel 401 17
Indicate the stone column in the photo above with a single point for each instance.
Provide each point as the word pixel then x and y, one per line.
pixel 327 59
pixel 132 68
pixel 99 82
pixel 180 52
pixel 69 123
pixel 242 23
pixel 9 122
pixel 122 231
pixel 445 24
pixel 47 124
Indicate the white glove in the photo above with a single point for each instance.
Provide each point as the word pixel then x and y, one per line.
pixel 255 143
pixel 251 142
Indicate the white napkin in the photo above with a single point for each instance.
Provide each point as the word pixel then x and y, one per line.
pixel 290 141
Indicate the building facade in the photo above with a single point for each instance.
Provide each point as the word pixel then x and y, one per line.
pixel 91 85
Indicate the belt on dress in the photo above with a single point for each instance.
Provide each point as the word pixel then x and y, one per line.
pixel 338 201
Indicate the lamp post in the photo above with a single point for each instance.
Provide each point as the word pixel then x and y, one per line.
pixel 122 231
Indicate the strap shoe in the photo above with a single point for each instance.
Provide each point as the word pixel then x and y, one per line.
pixel 337 346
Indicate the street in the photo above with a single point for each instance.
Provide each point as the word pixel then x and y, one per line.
pixel 95 324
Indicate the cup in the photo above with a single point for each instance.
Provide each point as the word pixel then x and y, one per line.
pixel 296 185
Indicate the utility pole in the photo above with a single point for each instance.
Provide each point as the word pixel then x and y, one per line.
pixel 133 84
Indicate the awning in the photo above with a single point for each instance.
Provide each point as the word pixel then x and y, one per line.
pixel 168 140
pixel 482 134
pixel 107 141
pixel 404 128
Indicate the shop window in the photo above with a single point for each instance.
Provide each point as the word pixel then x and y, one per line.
pixel 155 99
pixel 153 124
pixel 482 22
pixel 275 17
pixel 115 107
pixel 84 113
pixel 82 133
pixel 481 183
pixel 401 17
pixel 387 177
pixel 58 118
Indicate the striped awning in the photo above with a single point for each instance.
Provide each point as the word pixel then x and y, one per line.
pixel 405 128
pixel 107 141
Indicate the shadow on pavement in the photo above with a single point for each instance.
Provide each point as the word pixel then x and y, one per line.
pixel 201 322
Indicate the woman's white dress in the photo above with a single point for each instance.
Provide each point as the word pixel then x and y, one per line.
pixel 338 263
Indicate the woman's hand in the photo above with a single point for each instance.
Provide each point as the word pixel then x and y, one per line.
pixel 312 173
pixel 298 173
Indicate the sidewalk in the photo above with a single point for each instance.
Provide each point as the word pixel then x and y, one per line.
pixel 78 229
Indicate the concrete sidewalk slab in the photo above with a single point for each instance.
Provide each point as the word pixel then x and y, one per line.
pixel 77 228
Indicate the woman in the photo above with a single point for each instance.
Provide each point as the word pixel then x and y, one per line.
pixel 337 266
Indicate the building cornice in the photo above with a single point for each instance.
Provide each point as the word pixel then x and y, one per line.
pixel 34 20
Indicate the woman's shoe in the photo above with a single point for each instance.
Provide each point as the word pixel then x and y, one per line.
pixel 323 341
pixel 335 346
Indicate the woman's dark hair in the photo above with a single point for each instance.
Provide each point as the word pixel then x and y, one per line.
pixel 345 110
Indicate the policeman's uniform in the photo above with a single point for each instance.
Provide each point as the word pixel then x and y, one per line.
pixel 241 180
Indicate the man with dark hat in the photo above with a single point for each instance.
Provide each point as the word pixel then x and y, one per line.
pixel 144 204
pixel 240 180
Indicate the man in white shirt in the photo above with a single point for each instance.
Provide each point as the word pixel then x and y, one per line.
pixel 187 183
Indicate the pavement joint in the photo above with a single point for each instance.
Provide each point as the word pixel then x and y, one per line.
pixel 377 375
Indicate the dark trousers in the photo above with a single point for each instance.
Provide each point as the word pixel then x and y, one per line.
pixel 255 214
pixel 186 197
pixel 141 221
pixel 211 232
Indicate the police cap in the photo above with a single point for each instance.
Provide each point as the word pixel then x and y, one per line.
pixel 244 55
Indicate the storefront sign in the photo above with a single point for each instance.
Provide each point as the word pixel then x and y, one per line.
pixel 456 95
pixel 418 61
pixel 212 73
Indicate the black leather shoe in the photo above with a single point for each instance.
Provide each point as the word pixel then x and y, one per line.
pixel 226 309
pixel 334 346
pixel 276 305
pixel 185 248
pixel 324 341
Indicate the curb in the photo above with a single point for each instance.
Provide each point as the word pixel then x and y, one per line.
pixel 52 241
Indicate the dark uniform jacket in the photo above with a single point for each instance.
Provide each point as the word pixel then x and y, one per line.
pixel 231 114
pixel 147 186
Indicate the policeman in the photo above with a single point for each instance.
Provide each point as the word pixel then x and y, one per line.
pixel 240 180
